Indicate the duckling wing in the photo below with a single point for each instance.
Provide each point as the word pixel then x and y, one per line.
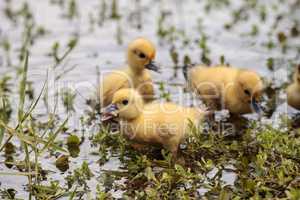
pixel 157 118
pixel 165 131
pixel 171 120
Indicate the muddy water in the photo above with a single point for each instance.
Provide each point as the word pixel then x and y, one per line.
pixel 98 47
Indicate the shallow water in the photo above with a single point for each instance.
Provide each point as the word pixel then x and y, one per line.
pixel 98 48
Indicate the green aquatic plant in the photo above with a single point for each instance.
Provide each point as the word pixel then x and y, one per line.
pixel 270 64
pixel 62 163
pixel 107 142
pixel 102 12
pixel 103 195
pixel 215 4
pixel 119 33
pixel 68 98
pixel 162 31
pixel 294 32
pixel 5 105
pixel 73 144
pixel 7 48
pixel 72 9
pixel 9 193
pixel 77 181
pixel 56 47
pixel 163 92
pixel 205 50
pixel 49 191
pixel 174 56
pixel 255 154
pixel 114 10
pixel 73 140
pixel 9 148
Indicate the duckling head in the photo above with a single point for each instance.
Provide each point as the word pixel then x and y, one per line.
pixel 127 104
pixel 249 88
pixel 140 55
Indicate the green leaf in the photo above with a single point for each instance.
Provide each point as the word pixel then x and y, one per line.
pixel 53 136
pixel 150 175
pixel 22 87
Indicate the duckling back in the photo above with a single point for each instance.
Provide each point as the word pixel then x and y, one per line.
pixel 170 113
pixel 210 83
pixel 217 76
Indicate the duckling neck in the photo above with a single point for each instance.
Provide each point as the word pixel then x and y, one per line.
pixel 136 69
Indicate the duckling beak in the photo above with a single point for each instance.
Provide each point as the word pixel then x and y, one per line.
pixel 256 107
pixel 109 112
pixel 152 66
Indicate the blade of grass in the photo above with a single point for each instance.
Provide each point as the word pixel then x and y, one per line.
pixel 73 194
pixel 53 136
pixel 16 173
pixel 1 134
pixel 31 140
pixel 2 128
pixel 32 107
pixel 22 87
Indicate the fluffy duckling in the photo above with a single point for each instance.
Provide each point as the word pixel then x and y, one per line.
pixel 164 124
pixel 221 87
pixel 293 90
pixel 140 55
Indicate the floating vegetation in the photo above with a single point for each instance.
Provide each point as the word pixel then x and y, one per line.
pixel 62 163
pixel 73 143
pixel 68 97
pixel 53 144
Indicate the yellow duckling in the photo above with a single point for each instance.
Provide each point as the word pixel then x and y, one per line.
pixel 293 91
pixel 164 124
pixel 221 87
pixel 140 55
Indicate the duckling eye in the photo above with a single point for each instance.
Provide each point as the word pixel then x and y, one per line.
pixel 247 92
pixel 142 55
pixel 125 102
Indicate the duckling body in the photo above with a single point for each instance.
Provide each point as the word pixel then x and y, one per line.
pixel 156 126
pixel 164 124
pixel 293 91
pixel 223 87
pixel 140 55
